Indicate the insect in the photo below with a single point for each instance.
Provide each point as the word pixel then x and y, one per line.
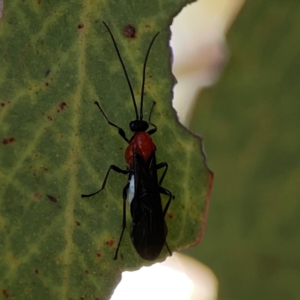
pixel 148 229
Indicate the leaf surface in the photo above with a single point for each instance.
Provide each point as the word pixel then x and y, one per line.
pixel 57 59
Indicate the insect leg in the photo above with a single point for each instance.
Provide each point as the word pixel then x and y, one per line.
pixel 160 166
pixel 112 167
pixel 124 218
pixel 120 130
pixel 153 130
pixel 169 249
pixel 168 193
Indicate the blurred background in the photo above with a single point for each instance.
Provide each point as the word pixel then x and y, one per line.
pixel 250 123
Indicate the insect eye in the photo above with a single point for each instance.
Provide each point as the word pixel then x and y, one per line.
pixel 132 125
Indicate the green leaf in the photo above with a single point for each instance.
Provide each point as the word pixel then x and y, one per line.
pixel 252 239
pixel 56 59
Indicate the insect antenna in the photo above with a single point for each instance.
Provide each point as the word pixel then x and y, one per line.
pixel 124 69
pixel 144 75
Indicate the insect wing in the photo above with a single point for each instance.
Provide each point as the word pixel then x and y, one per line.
pixel 148 229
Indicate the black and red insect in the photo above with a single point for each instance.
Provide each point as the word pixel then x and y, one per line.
pixel 148 229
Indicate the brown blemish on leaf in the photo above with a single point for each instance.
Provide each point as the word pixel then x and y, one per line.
pixel 80 26
pixel 5 294
pixel 37 271
pixel 98 254
pixel 46 84
pixel 47 73
pixel 170 216
pixel 77 223
pixel 207 198
pixel 8 140
pixel 36 195
pixel 62 105
pixel 147 26
pixel 129 31
pixel 52 198
pixel 110 243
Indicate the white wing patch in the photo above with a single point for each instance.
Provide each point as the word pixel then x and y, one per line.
pixel 130 192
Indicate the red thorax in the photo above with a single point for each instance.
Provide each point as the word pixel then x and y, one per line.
pixel 142 144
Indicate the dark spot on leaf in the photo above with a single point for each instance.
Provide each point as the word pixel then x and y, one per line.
pixel 45 169
pixel 97 298
pixel 170 216
pixel 62 105
pixel 86 272
pixel 98 255
pixel 121 255
pixel 8 141
pixel 81 298
pixel 129 31
pixel 2 104
pixel 80 26
pixel 47 73
pixel 37 271
pixel 77 223
pixel 39 1
pixel 52 198
pixel 46 84
pixel 49 118
pixel 147 26
pixel 110 243
pixel 5 293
